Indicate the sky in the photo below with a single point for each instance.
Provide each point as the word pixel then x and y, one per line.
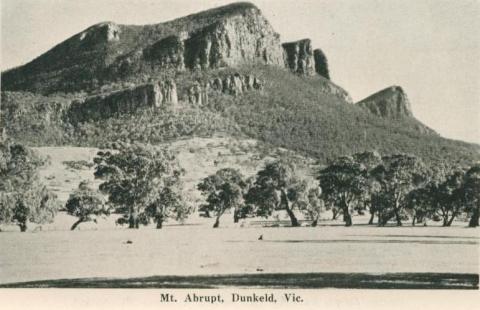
pixel 429 47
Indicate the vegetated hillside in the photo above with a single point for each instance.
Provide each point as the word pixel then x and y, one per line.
pixel 291 111
pixel 200 157
pixel 302 114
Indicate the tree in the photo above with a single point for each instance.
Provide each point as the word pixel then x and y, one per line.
pixel 370 160
pixel 312 203
pixel 448 197
pixel 223 191
pixel 168 205
pixel 344 181
pixel 135 177
pixel 472 194
pixel 397 176
pixel 273 189
pixel 23 198
pixel 419 203
pixel 85 204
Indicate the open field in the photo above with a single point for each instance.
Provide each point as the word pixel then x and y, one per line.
pixel 236 253
pixel 193 254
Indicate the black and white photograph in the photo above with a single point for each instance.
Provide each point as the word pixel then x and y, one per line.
pixel 231 153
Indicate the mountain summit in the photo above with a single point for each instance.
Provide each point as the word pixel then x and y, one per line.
pixel 391 102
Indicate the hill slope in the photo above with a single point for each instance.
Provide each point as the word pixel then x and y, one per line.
pixel 227 73
pixel 298 113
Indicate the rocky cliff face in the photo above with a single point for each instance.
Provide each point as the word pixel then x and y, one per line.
pixel 156 95
pixel 246 38
pixel 321 63
pixel 234 84
pixel 391 102
pixel 302 59
pixel 168 53
pixel 299 57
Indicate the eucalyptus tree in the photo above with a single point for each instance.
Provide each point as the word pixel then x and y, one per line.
pixel 397 176
pixel 223 190
pixel 23 198
pixel 472 194
pixel 344 182
pixel 86 204
pixel 135 177
pixel 369 160
pixel 275 188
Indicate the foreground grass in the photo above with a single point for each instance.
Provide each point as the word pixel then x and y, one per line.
pixel 273 280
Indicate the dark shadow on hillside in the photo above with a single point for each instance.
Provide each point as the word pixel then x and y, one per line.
pixel 274 280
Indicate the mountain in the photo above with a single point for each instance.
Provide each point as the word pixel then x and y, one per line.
pixel 222 71
pixel 391 103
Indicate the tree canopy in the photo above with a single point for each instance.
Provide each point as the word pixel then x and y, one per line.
pixel 23 198
pixel 275 187
pixel 343 182
pixel 223 190
pixel 86 204
pixel 135 177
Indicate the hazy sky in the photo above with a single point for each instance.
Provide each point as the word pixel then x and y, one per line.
pixel 429 47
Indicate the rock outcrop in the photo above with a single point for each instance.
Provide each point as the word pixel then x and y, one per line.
pixel 167 53
pixel 246 38
pixel 156 95
pixel 321 63
pixel 234 84
pixel 101 33
pixel 391 102
pixel 198 94
pixel 299 57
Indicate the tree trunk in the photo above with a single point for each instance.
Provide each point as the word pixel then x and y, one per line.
pixel 217 223
pixel 315 222
pixel 397 214
pixel 290 213
pixel 474 219
pixel 236 216
pixel 133 221
pixel 23 227
pixel 76 224
pixel 450 221
pixel 293 219
pixel 445 218
pixel 383 218
pixel 420 218
pixel 347 218
pixel 159 223
pixel 414 219
pixel 335 213
pixel 397 217
pixel 372 216
pixel 217 220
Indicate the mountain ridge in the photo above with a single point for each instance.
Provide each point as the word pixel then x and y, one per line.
pixel 224 70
